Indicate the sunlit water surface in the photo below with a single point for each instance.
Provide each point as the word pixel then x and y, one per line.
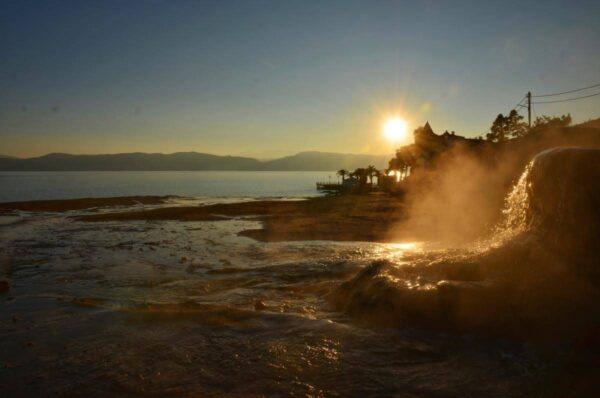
pixel 172 308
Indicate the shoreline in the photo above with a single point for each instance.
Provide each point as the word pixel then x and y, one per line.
pixel 368 218
pixel 63 205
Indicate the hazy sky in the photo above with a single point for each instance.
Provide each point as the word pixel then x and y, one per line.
pixel 267 78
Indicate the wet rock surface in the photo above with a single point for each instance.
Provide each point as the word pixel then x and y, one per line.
pixel 110 308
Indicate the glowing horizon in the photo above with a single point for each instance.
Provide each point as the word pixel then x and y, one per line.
pixel 104 77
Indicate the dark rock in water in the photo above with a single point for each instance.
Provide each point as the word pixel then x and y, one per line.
pixel 4 287
pixel 564 204
pixel 259 305
pixel 542 283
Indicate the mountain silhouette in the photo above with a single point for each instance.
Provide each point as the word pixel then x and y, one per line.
pixel 303 161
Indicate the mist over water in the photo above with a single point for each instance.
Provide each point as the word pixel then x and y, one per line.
pixel 535 277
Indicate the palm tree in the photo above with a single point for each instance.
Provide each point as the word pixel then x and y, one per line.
pixel 343 173
pixel 371 172
pixel 361 175
pixel 403 161
pixel 379 174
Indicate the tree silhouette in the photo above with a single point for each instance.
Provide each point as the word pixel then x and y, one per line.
pixel 498 130
pixel 371 172
pixel 403 161
pixel 505 127
pixel 516 126
pixel 512 125
pixel 343 173
pixel 549 122
pixel 361 175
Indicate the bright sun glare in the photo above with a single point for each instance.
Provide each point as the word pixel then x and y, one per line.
pixel 395 129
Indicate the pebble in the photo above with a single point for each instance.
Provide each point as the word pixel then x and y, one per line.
pixel 259 305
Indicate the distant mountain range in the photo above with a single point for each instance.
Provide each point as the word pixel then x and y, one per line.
pixel 303 161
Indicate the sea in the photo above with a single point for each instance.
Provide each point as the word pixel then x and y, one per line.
pixel 39 185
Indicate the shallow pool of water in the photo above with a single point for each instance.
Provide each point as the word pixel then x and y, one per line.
pixel 190 308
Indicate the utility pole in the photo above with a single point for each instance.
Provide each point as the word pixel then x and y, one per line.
pixel 529 108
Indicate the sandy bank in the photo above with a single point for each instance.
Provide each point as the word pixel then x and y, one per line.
pixel 340 218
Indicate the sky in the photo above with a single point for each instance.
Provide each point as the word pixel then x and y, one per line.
pixel 271 78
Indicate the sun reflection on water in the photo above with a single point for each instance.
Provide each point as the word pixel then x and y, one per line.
pixel 405 245
pixel 396 251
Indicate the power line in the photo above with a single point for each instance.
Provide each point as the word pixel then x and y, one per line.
pixel 518 104
pixel 566 100
pixel 513 108
pixel 528 96
pixel 567 92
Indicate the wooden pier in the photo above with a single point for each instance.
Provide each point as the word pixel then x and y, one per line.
pixel 328 186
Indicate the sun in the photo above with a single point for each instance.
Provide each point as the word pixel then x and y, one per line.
pixel 395 129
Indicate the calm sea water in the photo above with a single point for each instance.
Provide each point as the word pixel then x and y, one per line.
pixel 18 186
